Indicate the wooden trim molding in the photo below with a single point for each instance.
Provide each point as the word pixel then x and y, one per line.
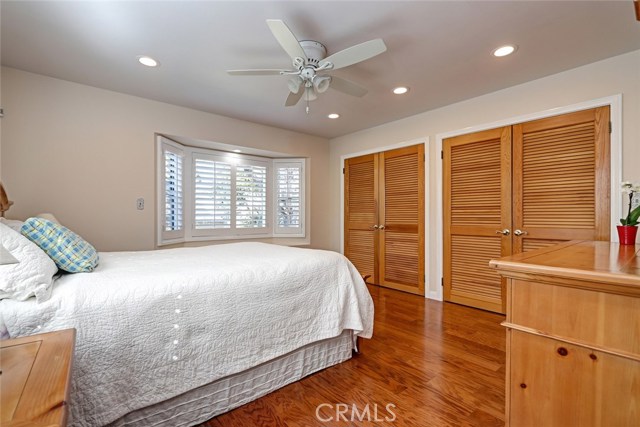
pixel 619 353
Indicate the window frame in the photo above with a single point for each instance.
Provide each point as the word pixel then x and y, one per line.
pixel 189 233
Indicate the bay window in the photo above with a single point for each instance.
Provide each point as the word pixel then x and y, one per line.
pixel 207 194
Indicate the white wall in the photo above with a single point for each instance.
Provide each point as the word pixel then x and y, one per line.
pixel 617 75
pixel 86 154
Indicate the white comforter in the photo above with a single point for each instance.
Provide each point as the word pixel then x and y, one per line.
pixel 152 325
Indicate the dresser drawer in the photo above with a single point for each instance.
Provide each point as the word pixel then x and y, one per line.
pixel 586 316
pixel 552 383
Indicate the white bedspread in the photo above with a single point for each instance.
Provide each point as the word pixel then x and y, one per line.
pixel 152 325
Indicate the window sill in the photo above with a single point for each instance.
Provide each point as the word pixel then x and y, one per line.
pixel 283 241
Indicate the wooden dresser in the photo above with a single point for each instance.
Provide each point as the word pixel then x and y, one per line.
pixel 35 374
pixel 573 335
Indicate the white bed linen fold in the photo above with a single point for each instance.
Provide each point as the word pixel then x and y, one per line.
pixel 152 325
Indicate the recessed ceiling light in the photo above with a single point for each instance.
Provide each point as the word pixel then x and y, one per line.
pixel 237 151
pixel 333 115
pixel 400 90
pixel 148 61
pixel 504 50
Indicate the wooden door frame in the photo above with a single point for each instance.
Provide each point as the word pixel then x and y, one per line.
pixel 427 186
pixel 614 102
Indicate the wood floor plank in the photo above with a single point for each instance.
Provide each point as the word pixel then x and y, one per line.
pixel 438 364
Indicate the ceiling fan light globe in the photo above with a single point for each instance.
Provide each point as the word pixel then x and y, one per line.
pixel 294 85
pixel 321 84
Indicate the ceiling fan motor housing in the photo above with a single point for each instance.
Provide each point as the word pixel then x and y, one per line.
pixel 314 50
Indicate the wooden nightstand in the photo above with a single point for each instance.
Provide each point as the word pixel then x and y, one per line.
pixel 35 375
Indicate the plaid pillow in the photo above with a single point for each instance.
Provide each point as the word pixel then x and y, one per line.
pixel 69 251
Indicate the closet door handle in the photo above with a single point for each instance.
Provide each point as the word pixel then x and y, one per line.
pixel 382 227
pixel 520 233
pixel 374 227
pixel 504 232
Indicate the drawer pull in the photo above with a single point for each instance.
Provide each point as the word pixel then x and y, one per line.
pixel 523 385
pixel 562 351
pixel 593 356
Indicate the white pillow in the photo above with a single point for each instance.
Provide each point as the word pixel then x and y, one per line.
pixel 49 216
pixel 32 276
pixel 14 224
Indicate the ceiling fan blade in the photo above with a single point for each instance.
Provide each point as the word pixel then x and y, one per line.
pixel 354 54
pixel 347 87
pixel 293 98
pixel 256 72
pixel 286 38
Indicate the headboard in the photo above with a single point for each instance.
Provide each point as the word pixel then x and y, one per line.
pixel 5 203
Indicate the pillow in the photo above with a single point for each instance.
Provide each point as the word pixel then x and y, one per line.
pixel 32 276
pixel 69 251
pixel 12 223
pixel 48 216
pixel 17 225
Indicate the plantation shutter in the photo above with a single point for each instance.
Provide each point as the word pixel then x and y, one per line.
pixel 289 201
pixel 173 207
pixel 251 196
pixel 209 195
pixel 230 196
pixel 212 193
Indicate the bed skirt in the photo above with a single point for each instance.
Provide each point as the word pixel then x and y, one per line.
pixel 203 403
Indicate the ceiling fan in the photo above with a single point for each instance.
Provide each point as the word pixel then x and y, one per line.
pixel 311 67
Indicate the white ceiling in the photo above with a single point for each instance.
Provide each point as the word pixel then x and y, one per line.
pixel 441 50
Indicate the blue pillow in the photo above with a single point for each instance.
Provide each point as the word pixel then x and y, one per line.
pixel 69 251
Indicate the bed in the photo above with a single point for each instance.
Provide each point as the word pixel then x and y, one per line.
pixel 175 337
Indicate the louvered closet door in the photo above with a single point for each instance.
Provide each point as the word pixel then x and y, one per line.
pixel 401 262
pixel 361 213
pixel 477 206
pixel 561 179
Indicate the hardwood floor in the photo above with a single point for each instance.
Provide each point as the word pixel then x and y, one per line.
pixel 440 364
